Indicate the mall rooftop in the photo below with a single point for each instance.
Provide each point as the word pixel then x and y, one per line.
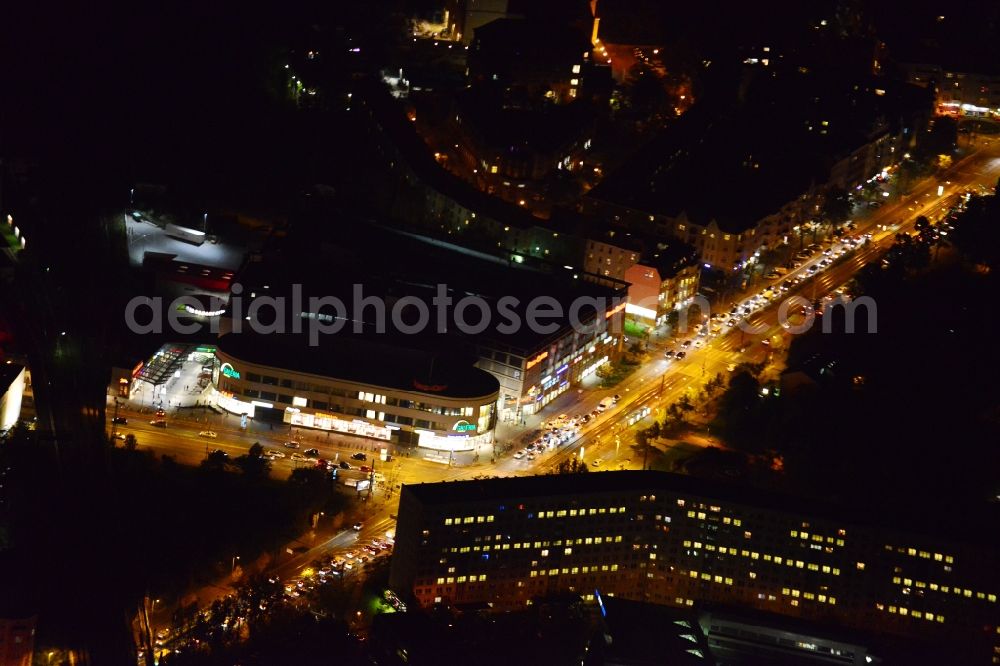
pixel 364 360
pixel 392 264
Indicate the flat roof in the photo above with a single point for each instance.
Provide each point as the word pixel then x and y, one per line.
pixel 393 264
pixel 363 360
pixel 582 485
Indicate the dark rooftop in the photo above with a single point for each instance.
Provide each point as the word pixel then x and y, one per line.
pixel 644 633
pixel 723 169
pixel 8 371
pixel 364 360
pixel 395 264
pixel 390 117
pixel 739 165
pixel 581 485
pixel 509 43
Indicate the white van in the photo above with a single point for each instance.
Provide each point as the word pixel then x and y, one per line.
pixel 605 404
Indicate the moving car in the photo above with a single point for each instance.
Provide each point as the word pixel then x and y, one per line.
pixel 275 454
pixel 298 457
pixel 211 434
pixel 597 463
pixel 358 526
pixel 120 420
pixel 159 423
pixel 291 445
pixel 220 452
pixel 312 453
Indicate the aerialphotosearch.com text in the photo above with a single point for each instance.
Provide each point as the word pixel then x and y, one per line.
pixel 318 316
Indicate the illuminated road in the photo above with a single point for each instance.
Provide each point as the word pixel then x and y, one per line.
pixel 656 384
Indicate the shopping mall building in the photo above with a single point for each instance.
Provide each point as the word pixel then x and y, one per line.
pixel 357 386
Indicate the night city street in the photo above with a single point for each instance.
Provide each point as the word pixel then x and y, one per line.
pixel 479 332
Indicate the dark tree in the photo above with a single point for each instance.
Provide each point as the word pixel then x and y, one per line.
pixel 836 205
pixel 254 464
pixel 215 461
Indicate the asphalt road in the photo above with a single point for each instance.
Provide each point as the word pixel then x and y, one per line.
pixel 656 384
pixel 608 437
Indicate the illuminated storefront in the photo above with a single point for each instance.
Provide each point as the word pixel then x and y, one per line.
pixel 296 417
pixel 455 412
pixel 572 368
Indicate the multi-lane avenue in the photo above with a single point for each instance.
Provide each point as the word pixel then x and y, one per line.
pixel 751 335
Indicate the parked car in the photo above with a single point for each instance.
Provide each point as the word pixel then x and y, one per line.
pixel 275 454
pixel 220 452
pixel 344 464
pixel 312 453
pixel 359 456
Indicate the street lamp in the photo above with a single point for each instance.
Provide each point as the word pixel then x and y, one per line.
pixel 235 560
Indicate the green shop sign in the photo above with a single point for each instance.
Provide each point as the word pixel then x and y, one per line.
pixel 229 371
pixel 464 426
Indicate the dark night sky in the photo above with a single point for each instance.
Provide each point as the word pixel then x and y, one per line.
pixel 132 90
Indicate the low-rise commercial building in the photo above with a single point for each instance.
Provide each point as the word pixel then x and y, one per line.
pixel 676 540
pixel 357 387
pixel 532 363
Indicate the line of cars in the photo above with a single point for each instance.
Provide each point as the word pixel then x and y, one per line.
pixel 563 429
pixel 721 322
pixel 329 567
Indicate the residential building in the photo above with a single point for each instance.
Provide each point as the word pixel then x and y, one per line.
pixel 677 540
pixel 663 272
pixel 958 93
pixel 530 61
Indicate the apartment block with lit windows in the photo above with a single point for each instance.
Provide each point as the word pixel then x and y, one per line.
pixel 676 540
pixel 663 273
